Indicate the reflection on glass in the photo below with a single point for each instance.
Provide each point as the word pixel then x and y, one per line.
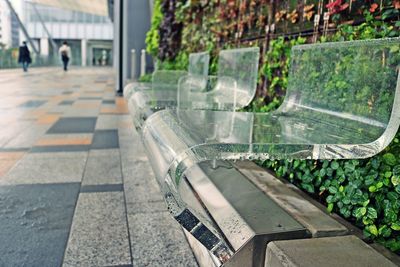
pixel 144 99
pixel 234 86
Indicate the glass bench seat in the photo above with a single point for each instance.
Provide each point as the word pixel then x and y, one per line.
pixel 342 101
pixel 181 138
pixel 145 98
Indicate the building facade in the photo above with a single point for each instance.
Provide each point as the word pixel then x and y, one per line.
pixel 89 36
pixel 9 28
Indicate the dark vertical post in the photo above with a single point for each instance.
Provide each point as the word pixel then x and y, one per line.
pixel 121 49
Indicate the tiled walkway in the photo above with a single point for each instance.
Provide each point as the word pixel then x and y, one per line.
pixel 75 185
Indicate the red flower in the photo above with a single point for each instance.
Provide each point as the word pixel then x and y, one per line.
pixel 336 7
pixel 396 4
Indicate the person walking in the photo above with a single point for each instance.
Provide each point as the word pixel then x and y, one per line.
pixel 65 52
pixel 24 56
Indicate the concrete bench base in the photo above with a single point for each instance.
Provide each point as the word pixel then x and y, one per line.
pixel 328 252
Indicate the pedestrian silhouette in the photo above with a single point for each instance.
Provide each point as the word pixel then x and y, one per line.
pixel 65 52
pixel 24 56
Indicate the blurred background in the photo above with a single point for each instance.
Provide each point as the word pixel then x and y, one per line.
pixel 46 24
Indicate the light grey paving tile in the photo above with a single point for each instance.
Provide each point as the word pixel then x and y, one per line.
pixel 79 112
pixel 99 234
pixel 58 108
pixel 105 122
pixel 128 157
pixel 103 167
pixel 12 130
pixel 132 148
pixel 28 137
pixel 146 207
pixel 47 168
pixel 140 184
pixel 124 132
pixel 157 240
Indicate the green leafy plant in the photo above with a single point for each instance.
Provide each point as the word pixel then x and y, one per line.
pixel 152 37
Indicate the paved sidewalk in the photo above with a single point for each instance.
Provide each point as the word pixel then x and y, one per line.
pixel 76 188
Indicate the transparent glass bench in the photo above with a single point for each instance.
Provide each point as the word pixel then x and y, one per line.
pixel 342 102
pixel 146 98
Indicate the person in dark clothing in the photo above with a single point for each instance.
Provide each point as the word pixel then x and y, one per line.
pixel 24 56
pixel 65 52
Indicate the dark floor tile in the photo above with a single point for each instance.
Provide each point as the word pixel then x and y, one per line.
pixel 66 103
pixel 73 125
pixel 32 104
pixel 108 101
pixel 104 139
pixel 67 92
pixel 65 148
pixel 35 222
pixel 102 188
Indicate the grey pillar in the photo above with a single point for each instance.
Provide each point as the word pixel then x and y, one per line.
pixel 131 23
pixel 137 20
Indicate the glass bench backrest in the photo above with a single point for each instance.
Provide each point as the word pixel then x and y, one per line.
pixel 168 79
pixel 199 63
pixel 165 82
pixel 355 80
pixel 233 88
pixel 240 65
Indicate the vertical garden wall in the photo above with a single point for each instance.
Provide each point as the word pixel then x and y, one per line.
pixel 366 192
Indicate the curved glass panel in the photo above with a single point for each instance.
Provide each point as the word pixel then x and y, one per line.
pixel 198 63
pixel 241 65
pixel 209 93
pixel 144 99
pixel 234 87
pixel 342 102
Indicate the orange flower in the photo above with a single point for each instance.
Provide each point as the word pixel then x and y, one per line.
pixel 373 7
pixel 292 16
pixel 280 15
pixel 308 12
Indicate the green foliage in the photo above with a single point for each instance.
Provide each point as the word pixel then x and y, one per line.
pixel 366 192
pixel 152 37
pixel 180 62
pixel 145 78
